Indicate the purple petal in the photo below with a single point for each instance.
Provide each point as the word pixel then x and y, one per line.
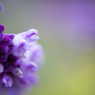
pixel 7 80
pixel 1 68
pixel 2 27
pixel 14 90
pixel 30 67
pixel 3 57
pixel 3 48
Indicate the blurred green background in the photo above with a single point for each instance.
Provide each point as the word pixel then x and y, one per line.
pixel 66 71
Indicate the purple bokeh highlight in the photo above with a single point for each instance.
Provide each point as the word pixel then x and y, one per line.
pixel 73 20
pixel 0 7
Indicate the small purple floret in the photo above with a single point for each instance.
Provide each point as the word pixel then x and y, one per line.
pixel 2 28
pixel 7 81
pixel 18 59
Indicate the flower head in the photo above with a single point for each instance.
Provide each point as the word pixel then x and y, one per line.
pixel 18 60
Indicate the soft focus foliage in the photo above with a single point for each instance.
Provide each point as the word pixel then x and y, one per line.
pixel 70 65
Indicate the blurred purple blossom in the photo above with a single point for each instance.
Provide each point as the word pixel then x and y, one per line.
pixel 0 7
pixel 18 61
pixel 80 25
pixel 73 20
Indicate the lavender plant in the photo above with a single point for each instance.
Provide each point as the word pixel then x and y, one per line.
pixel 19 55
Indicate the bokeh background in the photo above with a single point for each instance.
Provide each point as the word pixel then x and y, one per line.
pixel 67 34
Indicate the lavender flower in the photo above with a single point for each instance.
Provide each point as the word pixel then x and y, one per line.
pixel 18 60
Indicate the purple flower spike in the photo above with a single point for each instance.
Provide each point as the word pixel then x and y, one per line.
pixel 20 57
pixel 19 60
